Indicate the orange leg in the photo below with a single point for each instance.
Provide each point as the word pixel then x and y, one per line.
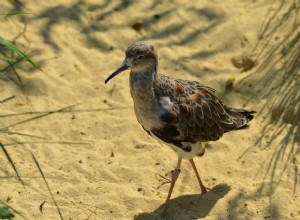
pixel 203 188
pixel 175 174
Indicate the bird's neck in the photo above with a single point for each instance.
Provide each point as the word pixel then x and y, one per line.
pixel 141 85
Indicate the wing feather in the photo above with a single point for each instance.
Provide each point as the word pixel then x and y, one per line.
pixel 197 115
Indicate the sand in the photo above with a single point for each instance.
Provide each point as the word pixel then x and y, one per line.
pixel 97 160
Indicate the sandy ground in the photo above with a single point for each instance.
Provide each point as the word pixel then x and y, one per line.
pixel 95 157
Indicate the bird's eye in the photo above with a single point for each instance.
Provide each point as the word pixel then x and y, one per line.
pixel 140 57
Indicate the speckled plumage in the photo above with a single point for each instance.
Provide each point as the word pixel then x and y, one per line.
pixel 181 113
pixel 197 114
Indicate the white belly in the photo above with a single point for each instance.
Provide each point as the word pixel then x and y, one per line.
pixel 197 150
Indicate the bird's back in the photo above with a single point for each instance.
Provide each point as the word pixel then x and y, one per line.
pixel 197 115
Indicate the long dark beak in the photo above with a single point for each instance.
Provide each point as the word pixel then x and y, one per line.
pixel 121 69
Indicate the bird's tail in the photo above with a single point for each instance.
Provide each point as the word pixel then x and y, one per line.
pixel 247 115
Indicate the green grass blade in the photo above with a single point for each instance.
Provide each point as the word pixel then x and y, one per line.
pixel 5 213
pixel 14 211
pixel 48 187
pixel 14 13
pixel 40 116
pixel 11 163
pixel 6 58
pixel 13 48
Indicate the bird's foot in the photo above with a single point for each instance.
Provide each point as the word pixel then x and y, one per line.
pixel 204 190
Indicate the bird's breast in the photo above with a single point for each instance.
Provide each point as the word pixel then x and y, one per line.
pixel 150 114
pixel 146 116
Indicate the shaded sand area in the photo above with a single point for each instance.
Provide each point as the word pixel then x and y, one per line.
pixel 65 124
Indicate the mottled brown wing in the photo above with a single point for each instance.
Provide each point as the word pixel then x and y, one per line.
pixel 202 115
pixel 197 114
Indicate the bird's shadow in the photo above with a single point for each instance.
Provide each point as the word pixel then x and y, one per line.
pixel 196 206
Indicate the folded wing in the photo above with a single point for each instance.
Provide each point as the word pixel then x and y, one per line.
pixel 198 115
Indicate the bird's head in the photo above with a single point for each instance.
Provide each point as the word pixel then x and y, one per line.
pixel 140 56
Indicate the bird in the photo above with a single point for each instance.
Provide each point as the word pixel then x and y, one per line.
pixel 184 114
